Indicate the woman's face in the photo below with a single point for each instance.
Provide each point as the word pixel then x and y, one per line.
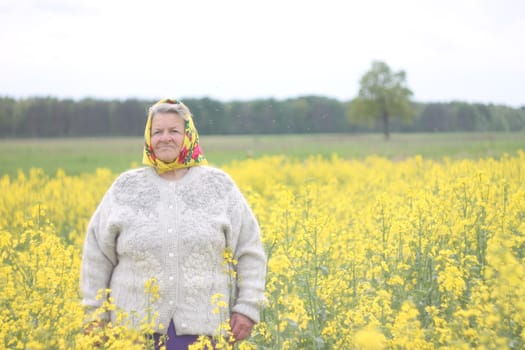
pixel 167 135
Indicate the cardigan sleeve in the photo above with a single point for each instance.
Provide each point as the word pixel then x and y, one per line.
pixel 251 261
pixel 99 256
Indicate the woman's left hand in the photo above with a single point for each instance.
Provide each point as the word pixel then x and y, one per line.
pixel 241 326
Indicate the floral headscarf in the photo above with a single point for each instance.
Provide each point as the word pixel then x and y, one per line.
pixel 190 154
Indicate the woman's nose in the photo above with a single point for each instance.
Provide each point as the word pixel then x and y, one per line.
pixel 165 136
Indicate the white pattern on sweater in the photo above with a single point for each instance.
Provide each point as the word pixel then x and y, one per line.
pixel 175 231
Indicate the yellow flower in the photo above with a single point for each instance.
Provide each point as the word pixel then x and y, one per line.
pixel 369 339
pixel 411 254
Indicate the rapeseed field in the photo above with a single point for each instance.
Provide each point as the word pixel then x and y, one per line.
pixel 362 254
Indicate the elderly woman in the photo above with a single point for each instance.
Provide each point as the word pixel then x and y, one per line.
pixel 184 224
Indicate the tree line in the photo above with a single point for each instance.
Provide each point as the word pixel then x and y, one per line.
pixel 53 117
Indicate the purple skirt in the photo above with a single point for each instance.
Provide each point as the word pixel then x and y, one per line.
pixel 174 341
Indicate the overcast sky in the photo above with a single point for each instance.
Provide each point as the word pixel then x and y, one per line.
pixel 464 50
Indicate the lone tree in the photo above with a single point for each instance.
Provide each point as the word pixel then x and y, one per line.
pixel 382 94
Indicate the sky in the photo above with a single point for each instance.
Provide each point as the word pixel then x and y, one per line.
pixel 450 50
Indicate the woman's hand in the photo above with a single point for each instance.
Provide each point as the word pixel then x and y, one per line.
pixel 93 326
pixel 241 326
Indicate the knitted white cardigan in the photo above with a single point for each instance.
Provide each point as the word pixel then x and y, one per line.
pixel 175 231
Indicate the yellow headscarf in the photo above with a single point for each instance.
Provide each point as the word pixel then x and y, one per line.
pixel 190 154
